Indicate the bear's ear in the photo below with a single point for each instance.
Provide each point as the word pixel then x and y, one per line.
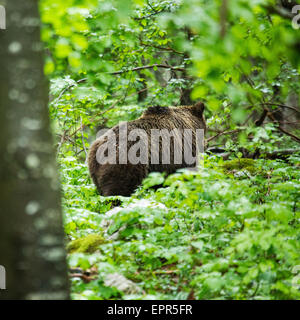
pixel 197 109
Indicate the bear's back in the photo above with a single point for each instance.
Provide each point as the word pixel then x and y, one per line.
pixel 123 177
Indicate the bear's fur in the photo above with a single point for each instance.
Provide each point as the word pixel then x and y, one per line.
pixel 123 179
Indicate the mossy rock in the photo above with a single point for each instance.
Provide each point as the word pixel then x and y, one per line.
pixel 241 164
pixel 88 244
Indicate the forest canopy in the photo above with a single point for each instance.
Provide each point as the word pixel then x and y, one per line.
pixel 228 231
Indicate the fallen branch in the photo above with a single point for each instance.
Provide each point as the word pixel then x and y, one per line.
pixel 84 277
pixel 279 153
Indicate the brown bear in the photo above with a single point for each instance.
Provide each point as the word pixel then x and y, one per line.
pixel 123 156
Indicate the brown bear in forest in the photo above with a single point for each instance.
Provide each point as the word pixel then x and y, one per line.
pixel 145 145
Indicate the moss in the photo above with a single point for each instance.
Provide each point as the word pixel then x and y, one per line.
pixel 88 244
pixel 240 164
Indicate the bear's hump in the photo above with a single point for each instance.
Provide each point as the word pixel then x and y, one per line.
pixel 157 110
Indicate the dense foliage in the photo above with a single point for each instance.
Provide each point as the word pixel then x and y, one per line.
pixel 229 231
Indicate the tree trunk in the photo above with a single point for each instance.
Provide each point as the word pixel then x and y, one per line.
pixel 31 233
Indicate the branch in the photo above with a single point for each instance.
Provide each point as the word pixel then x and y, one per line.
pixel 262 118
pixel 165 66
pixel 147 16
pixel 282 12
pixel 289 134
pixel 82 126
pixel 162 48
pixel 69 87
pixel 223 17
pixel 270 115
pixel 151 6
pixel 82 139
pixel 223 133
pixel 154 13
pixel 280 105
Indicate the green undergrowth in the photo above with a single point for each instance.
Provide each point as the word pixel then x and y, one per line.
pixel 228 231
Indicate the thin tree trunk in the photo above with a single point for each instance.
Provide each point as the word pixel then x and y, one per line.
pixel 31 233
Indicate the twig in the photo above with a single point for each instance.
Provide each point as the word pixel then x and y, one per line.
pixel 165 66
pixel 223 17
pixel 82 139
pixel 62 140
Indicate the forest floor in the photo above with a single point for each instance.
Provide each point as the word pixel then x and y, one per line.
pixel 229 231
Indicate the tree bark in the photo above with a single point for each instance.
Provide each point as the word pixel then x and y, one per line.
pixel 31 233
